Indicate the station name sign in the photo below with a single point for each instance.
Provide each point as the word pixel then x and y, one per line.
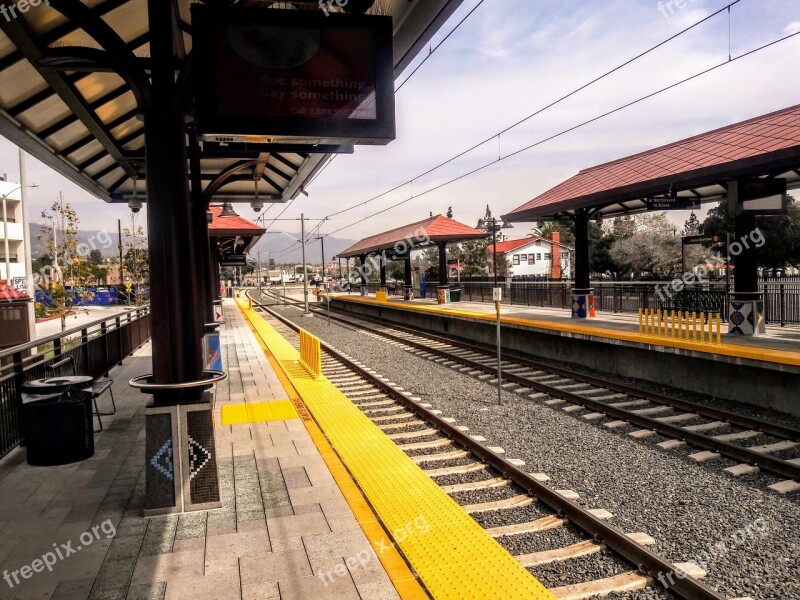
pixel 671 203
pixel 293 76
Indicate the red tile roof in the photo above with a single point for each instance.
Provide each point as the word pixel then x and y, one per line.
pixel 9 293
pixel 222 226
pixel 765 142
pixel 510 245
pixel 435 229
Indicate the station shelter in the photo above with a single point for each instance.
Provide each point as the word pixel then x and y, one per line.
pixel 752 164
pixel 398 244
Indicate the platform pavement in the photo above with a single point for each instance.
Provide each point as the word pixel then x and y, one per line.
pixel 284 521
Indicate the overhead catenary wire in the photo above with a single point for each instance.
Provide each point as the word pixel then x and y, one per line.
pixel 570 129
pixel 539 111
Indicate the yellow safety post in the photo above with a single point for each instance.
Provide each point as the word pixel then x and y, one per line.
pixel 703 327
pixel 640 321
pixel 680 324
pixel 662 322
pixel 652 321
pixel 686 319
pixel 719 334
pixel 672 324
pixel 694 326
pixel 310 354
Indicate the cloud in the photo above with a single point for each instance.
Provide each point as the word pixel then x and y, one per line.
pixel 791 28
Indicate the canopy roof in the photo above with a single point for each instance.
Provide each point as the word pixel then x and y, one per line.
pixel 698 167
pixel 63 102
pixel 419 234
pixel 233 235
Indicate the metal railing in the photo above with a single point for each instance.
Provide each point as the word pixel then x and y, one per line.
pixel 95 348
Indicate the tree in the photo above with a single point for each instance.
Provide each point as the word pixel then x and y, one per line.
pixel 653 247
pixel 781 233
pixel 136 260
pixel 65 265
pixel 449 212
pixel 692 225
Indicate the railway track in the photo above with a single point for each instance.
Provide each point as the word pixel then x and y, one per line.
pixel 713 432
pixel 515 507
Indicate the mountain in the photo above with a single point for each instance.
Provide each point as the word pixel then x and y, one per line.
pixel 271 245
pixel 102 240
pixel 274 245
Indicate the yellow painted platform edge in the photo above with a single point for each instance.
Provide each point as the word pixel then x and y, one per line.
pixel 772 355
pixel 404 581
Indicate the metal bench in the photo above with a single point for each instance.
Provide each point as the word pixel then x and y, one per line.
pixel 99 387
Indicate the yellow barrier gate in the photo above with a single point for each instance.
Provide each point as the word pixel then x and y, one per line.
pixel 310 354
pixel 679 325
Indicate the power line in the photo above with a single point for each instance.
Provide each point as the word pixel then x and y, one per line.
pixel 539 111
pixel 430 53
pixel 405 81
pixel 573 128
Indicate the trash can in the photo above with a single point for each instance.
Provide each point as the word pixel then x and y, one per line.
pixel 57 424
pixel 455 295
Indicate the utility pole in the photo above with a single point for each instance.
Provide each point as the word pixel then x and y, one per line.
pixel 119 247
pixel 305 268
pixel 321 239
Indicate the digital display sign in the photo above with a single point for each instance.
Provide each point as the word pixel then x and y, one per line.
pixel 293 75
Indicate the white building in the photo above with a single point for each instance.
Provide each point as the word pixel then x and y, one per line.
pixel 537 257
pixel 12 235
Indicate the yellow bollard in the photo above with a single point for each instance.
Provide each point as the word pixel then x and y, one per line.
pixel 680 324
pixel 662 322
pixel 694 326
pixel 640 321
pixel 672 324
pixel 719 334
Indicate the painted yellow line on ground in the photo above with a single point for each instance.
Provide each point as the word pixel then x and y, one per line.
pixel 453 556
pixel 396 568
pixel 257 412
pixel 775 355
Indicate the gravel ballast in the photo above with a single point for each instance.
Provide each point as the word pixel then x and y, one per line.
pixel 747 536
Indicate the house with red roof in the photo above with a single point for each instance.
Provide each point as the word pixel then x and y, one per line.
pixel 537 257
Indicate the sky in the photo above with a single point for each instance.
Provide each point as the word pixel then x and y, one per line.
pixel 509 59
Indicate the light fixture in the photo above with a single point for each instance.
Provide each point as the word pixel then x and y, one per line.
pixel 257 204
pixel 506 225
pixel 481 224
pixel 134 203
pixel 227 210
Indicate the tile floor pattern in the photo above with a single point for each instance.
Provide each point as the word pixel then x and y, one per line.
pixel 284 524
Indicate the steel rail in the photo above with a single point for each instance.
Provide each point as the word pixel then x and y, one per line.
pixel 739 453
pixel 647 562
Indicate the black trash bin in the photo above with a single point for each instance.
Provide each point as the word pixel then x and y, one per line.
pixel 455 294
pixel 57 425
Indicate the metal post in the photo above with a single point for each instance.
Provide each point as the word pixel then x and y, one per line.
pixel 26 233
pixel 176 336
pixel 5 241
pixel 305 269
pixel 119 247
pixel 494 249
pixel 499 356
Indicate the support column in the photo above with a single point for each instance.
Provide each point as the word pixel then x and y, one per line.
pixel 407 285
pixel 181 469
pixel 746 304
pixel 444 281
pixel 383 272
pixel 582 293
pixel 200 233
pixel 363 272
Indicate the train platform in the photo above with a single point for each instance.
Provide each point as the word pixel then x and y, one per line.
pixel 780 345
pixel 298 520
pixel 764 368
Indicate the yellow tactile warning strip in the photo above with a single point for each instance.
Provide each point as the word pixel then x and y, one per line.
pixel 785 357
pixel 451 553
pixel 401 577
pixel 257 412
